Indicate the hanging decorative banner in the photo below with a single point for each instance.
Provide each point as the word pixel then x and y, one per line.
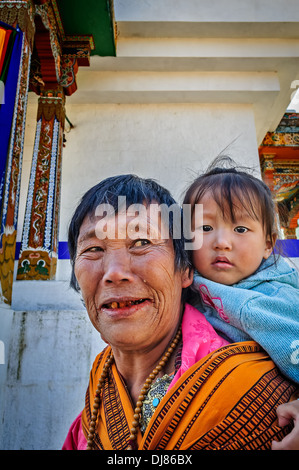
pixel 9 77
pixel 15 74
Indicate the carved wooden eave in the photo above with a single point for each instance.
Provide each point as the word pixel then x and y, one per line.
pixel 56 56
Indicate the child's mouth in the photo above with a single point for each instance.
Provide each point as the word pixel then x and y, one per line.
pixel 222 262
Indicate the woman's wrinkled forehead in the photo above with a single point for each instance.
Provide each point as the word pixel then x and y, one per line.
pixel 136 221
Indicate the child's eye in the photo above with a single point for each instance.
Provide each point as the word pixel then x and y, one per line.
pixel 206 228
pixel 241 229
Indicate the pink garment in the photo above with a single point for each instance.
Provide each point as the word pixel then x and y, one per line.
pixel 75 439
pixel 199 339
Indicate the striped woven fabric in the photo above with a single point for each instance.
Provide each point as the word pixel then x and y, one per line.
pixel 227 400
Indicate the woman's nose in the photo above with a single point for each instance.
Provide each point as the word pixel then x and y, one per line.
pixel 117 267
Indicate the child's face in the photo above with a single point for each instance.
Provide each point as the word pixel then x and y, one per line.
pixel 230 251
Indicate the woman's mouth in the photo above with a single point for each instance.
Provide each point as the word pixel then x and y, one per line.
pixel 123 308
pixel 123 303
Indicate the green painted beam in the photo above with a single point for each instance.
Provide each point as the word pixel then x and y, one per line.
pixel 89 17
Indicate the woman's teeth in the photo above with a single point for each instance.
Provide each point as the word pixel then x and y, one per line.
pixel 122 304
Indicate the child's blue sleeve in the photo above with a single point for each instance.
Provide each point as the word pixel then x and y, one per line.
pixel 271 320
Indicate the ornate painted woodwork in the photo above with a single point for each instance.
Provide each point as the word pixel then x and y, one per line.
pixel 279 157
pixel 39 246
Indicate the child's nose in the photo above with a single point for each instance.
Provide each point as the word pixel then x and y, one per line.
pixel 222 240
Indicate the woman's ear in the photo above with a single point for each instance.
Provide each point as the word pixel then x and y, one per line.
pixel 187 277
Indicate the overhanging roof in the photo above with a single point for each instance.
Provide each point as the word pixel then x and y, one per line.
pixel 89 17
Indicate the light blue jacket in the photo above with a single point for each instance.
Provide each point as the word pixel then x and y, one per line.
pixel 263 307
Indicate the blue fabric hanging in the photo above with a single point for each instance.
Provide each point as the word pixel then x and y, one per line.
pixel 6 26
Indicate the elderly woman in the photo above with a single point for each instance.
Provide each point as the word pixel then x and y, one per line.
pixel 166 380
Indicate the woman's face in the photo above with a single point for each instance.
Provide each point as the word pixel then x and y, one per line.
pixel 129 283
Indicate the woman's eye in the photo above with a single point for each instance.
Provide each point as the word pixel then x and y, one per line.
pixel 241 229
pixel 94 249
pixel 141 242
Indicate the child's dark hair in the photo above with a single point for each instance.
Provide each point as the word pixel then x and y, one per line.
pixel 230 186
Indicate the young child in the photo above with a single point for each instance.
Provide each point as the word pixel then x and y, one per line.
pixel 246 291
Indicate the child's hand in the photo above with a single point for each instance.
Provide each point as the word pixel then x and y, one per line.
pixel 287 413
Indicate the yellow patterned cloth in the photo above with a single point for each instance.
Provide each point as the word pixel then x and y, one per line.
pixel 227 400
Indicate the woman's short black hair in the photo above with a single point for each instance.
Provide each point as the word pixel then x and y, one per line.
pixel 136 191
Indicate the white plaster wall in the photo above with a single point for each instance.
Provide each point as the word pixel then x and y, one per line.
pixel 201 10
pixel 168 142
pixel 48 356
